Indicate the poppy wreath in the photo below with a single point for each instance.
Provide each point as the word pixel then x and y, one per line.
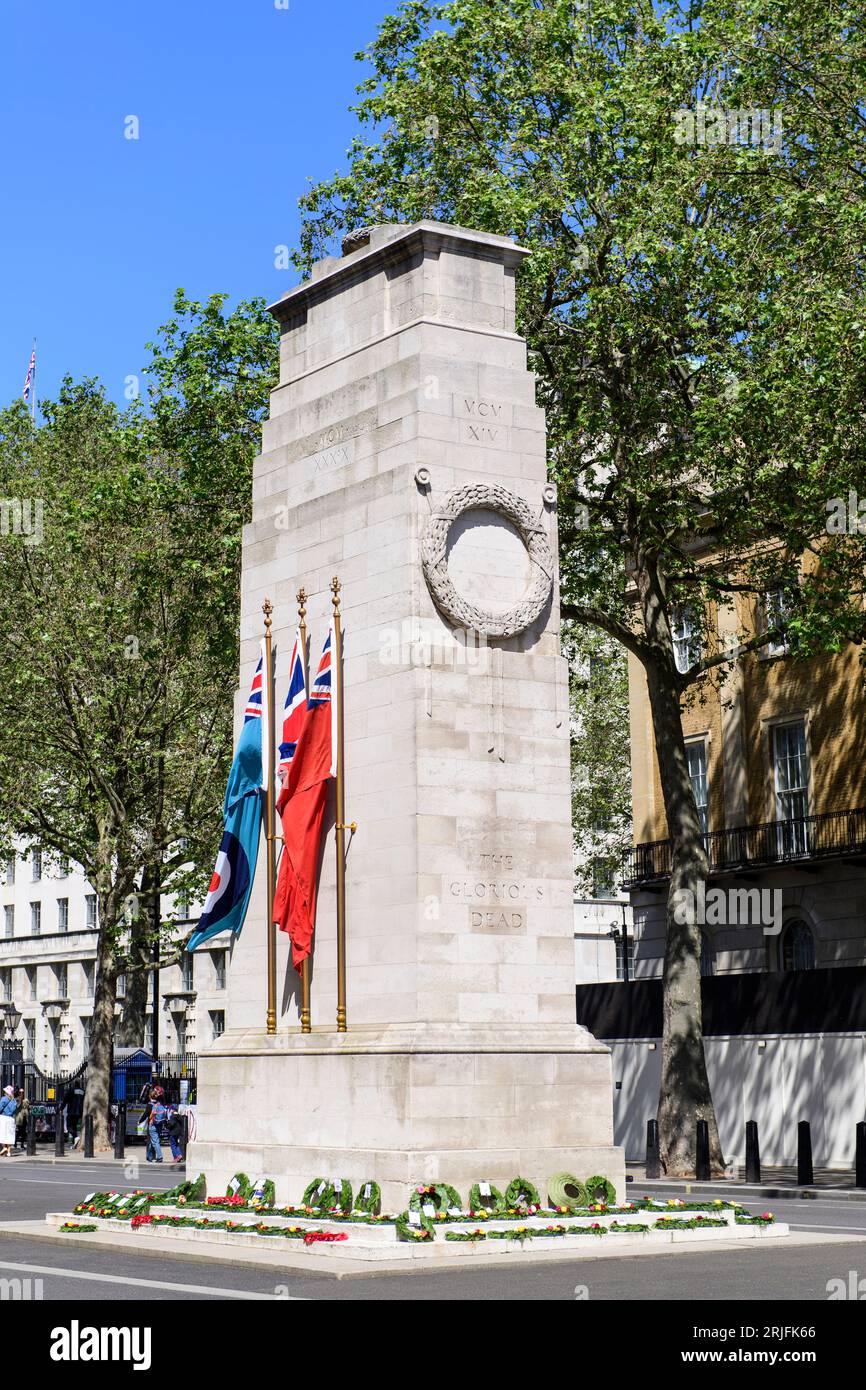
pixel 521 1193
pixel 599 1189
pixel 410 1232
pixel 91 1204
pixel 492 1202
pixel 441 1196
pixel 368 1198
pixel 565 1190
pixel 78 1226
pixel 322 1195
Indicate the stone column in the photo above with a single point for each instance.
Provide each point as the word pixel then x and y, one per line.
pixel 405 453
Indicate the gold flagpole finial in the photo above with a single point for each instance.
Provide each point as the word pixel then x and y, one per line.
pixel 267 609
pixel 336 586
pixel 302 604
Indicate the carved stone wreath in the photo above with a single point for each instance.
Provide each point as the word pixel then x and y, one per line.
pixel 434 560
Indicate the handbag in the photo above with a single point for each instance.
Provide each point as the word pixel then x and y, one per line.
pixel 141 1127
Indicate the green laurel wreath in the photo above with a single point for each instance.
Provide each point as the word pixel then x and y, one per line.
pixel 441 1196
pixel 521 1193
pixel 372 1203
pixel 597 1184
pixel 494 1202
pixel 327 1197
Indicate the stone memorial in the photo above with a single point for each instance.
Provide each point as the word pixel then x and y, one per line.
pixel 405 453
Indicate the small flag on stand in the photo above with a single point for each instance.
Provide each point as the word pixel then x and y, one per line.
pixel 228 897
pixel 301 806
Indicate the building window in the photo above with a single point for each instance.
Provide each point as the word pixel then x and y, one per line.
pixel 188 971
pixel 35 919
pixel 63 914
pixel 30 1036
pixel 219 969
pixel 696 754
pixel 89 968
pixel 6 985
pixel 791 774
pixel 32 976
pixel 708 957
pixel 10 871
pixel 217 1022
pixel 90 906
pixel 9 914
pixel 603 875
pixel 686 635
pixel 798 947
pixel 180 1031
pixel 86 1030
pixel 61 974
pixel 63 867
pixel 36 863
pixel 775 609
pixel 120 991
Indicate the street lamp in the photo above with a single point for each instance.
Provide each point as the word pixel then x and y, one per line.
pixel 620 934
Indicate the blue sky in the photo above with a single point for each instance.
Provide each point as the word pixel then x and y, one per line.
pixel 238 103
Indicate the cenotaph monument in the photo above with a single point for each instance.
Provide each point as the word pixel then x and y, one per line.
pixel 405 453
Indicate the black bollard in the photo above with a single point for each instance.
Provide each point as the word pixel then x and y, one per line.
pixel 59 1136
pixel 702 1152
pixel 860 1156
pixel 753 1152
pixel 88 1136
pixel 184 1136
pixel 653 1163
pixel 120 1129
pixel 31 1134
pixel 805 1172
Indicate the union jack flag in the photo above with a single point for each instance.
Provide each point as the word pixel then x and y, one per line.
pixel 28 380
pixel 321 691
pixel 294 709
pixel 254 703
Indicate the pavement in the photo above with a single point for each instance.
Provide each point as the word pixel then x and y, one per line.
pixel 828 1241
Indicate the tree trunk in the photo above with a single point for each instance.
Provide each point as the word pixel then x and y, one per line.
pixel 684 1096
pixel 133 1017
pixel 97 1093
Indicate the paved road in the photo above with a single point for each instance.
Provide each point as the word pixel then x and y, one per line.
pixel 801 1273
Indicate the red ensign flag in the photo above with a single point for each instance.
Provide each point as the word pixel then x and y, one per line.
pixel 301 807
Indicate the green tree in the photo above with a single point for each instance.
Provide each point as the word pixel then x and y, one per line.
pixel 600 770
pixel 693 306
pixel 118 634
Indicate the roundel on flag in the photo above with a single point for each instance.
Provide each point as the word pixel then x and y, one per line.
pixel 231 878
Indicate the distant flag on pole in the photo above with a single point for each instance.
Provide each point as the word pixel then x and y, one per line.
pixel 301 806
pixel 225 906
pixel 294 710
pixel 29 378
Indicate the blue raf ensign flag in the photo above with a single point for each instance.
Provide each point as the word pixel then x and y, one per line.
pixel 225 906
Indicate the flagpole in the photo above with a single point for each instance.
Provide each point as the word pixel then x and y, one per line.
pixel 306 1026
pixel 340 827
pixel 270 828
pixel 33 384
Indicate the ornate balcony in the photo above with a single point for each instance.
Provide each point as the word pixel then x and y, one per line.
pixel 833 835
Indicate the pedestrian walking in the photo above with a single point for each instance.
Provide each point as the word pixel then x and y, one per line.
pixel 8 1106
pixel 155 1116
pixel 175 1133
pixel 22 1117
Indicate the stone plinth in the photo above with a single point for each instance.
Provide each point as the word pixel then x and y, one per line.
pixel 405 453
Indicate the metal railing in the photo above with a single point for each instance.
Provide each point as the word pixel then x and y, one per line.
pixel 833 835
